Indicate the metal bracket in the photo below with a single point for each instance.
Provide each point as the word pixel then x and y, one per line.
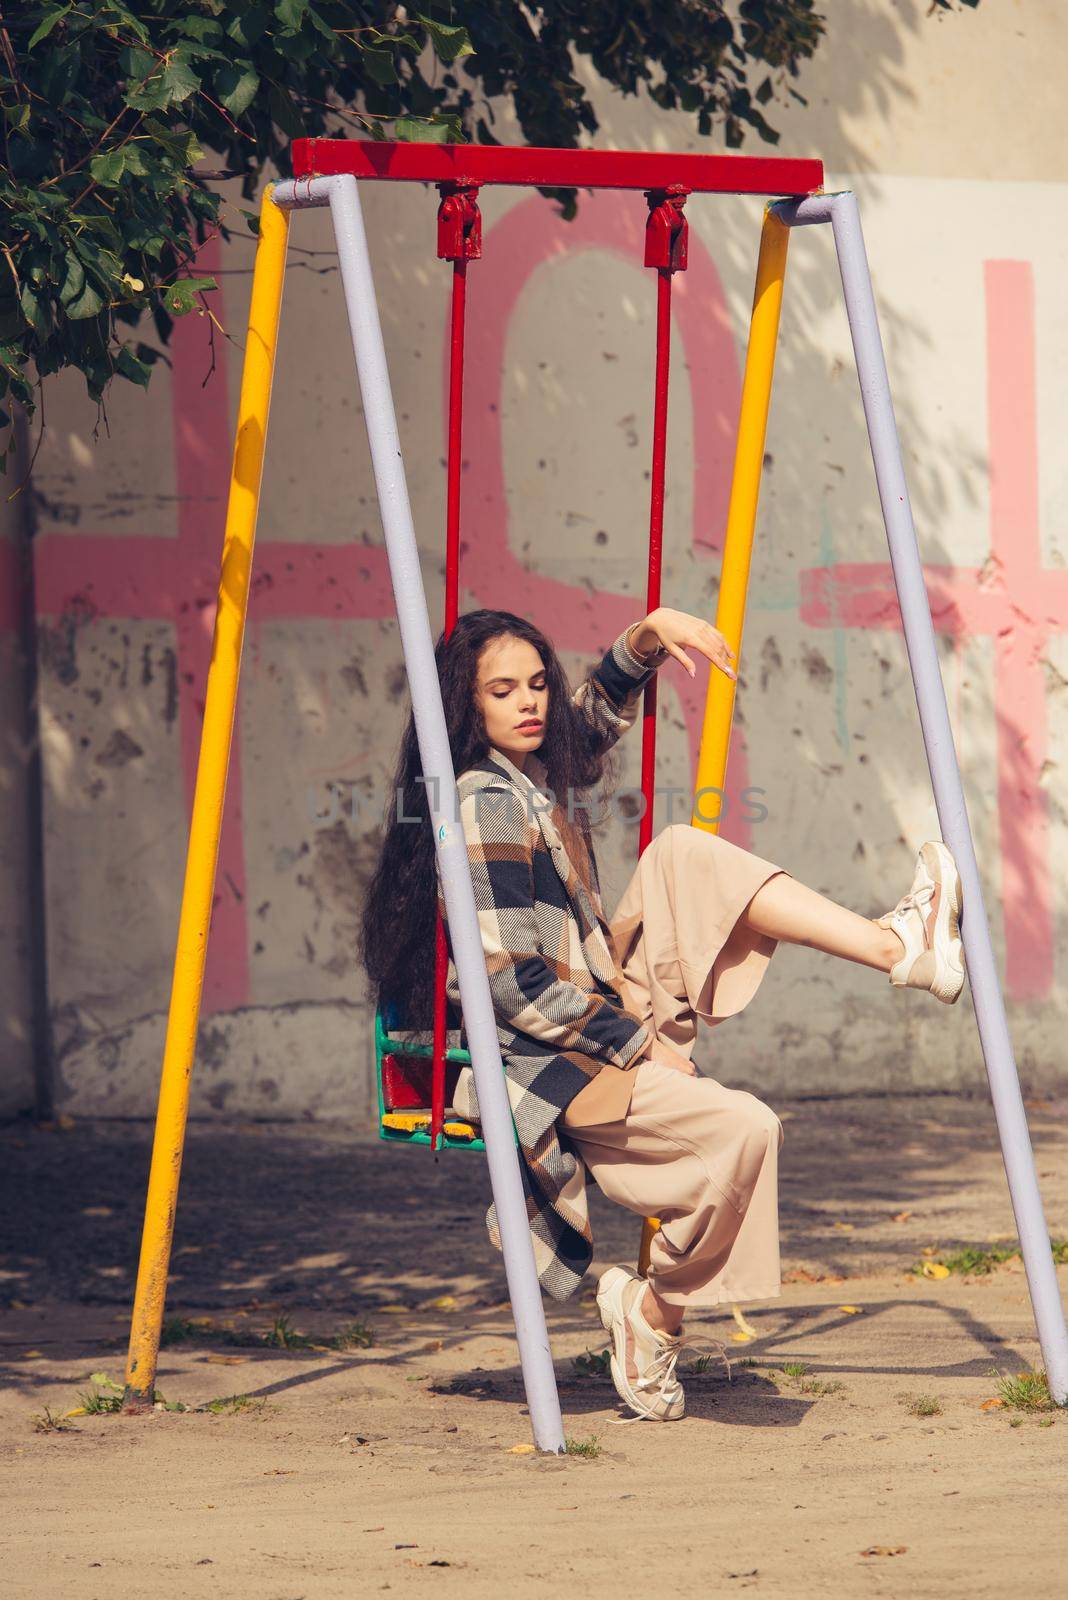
pixel 459 222
pixel 667 230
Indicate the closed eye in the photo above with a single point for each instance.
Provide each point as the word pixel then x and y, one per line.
pixel 504 693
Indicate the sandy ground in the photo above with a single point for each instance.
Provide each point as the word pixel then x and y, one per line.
pixel 391 1467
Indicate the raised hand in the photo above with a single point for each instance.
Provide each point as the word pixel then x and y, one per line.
pixel 677 632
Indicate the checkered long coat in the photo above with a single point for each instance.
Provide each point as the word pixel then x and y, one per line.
pixel 552 973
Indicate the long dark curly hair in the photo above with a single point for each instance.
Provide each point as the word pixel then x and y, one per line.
pixel 397 931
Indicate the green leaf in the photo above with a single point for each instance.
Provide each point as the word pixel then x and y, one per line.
pixel 110 10
pixel 449 42
pixel 73 282
pixel 236 87
pixel 170 88
pixel 180 298
pixel 53 15
pixel 418 132
pixel 248 28
pixel 200 28
pixel 291 13
pixel 88 304
pixel 17 116
pixel 108 169
pixel 128 366
pixel 33 310
pixel 378 64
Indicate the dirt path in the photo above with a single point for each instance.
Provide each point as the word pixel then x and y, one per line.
pixel 390 1466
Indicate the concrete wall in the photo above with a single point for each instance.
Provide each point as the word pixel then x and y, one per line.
pixel 944 129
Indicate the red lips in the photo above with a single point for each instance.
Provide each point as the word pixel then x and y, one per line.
pixel 523 726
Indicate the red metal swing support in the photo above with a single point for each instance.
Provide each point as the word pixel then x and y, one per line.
pixel 459 241
pixel 666 242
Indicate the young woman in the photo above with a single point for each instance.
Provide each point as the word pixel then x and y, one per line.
pixel 597 1020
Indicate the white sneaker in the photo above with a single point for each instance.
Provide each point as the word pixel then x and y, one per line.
pixel 927 921
pixel 656 1393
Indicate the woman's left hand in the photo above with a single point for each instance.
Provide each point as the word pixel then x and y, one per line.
pixel 677 631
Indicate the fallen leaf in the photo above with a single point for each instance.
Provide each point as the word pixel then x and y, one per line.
pixel 279 1472
pixel 901 1216
pixel 520 1450
pixel 393 1310
pixel 992 1405
pixel 885 1550
pixel 742 1338
pixel 928 1250
pixel 65 1122
pixel 847 1227
pixel 852 1311
pixel 97 1211
pixel 32 1355
pixel 79 1411
pixel 935 1269
pixel 226 1361
pixel 443 1302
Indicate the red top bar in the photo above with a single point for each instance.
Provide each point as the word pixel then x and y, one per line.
pixel 585 169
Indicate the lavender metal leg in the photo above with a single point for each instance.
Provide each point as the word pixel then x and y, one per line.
pixel 342 195
pixel 842 213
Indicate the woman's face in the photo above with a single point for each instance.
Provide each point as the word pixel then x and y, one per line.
pixel 511 691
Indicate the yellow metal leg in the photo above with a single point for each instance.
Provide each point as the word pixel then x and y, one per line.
pixel 741 515
pixel 650 1227
pixel 738 544
pixel 208 797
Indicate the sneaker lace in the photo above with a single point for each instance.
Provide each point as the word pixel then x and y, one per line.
pixel 660 1374
pixel 914 899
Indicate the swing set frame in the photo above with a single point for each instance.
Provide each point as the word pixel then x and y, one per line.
pixel 328 173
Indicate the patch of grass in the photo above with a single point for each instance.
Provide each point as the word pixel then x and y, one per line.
pixel 232 1404
pixel 818 1386
pixel 1027 1391
pixel 749 1361
pixel 283 1336
pixel 354 1336
pixel 976 1261
pixel 105 1396
pixel 46 1421
pixel 161 1403
pixel 1045 1422
pixel 924 1405
pixel 794 1369
pixel 590 1449
pixel 591 1364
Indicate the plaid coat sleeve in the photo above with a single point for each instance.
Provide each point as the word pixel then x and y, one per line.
pixel 609 696
pixel 528 993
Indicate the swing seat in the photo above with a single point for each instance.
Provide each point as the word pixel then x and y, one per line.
pixel 403 1073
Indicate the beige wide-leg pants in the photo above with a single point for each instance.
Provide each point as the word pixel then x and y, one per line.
pixel 701 1157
